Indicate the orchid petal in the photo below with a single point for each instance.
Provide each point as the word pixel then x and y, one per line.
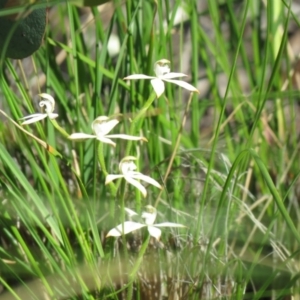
pixel 130 212
pixel 49 106
pixel 161 67
pixel 47 101
pixel 136 184
pixel 125 228
pixel 170 224
pixel 146 178
pixel 127 137
pixel 102 126
pixel 52 116
pixel 48 97
pixel 158 86
pixel 128 159
pixel 172 75
pixel 106 140
pixel 111 177
pixel 138 76
pixel 34 118
pixel 183 84
pixel 155 232
pixel 80 136
pixel 109 125
pixel 161 71
pixel 127 165
pixel 149 217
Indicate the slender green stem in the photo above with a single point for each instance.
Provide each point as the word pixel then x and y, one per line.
pixel 176 146
pixel 138 121
pixel 59 128
pixel 122 202
pixel 103 168
pixel 136 267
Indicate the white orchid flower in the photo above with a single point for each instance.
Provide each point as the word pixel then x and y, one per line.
pixel 127 168
pixel 101 126
pixel 149 216
pixel 49 103
pixel 162 72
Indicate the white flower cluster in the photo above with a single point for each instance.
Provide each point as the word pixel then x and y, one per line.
pixel 101 128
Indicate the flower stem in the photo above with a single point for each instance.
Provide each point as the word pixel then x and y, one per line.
pixel 136 123
pixel 101 160
pixel 136 267
pixel 59 128
pixel 122 200
pixel 176 146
